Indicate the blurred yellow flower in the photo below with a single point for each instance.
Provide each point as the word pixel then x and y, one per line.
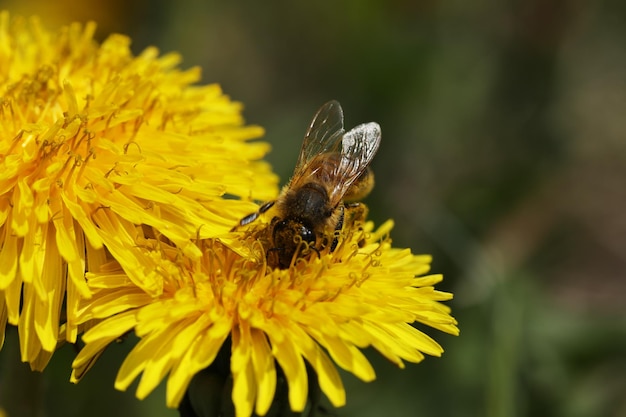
pixel 97 148
pixel 322 311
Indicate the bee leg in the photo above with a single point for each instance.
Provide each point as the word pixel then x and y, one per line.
pixel 253 216
pixel 357 212
pixel 275 261
pixel 337 232
pixel 265 207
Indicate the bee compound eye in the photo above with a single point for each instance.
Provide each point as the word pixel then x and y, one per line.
pixel 307 234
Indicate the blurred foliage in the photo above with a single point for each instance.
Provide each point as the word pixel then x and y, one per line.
pixel 503 155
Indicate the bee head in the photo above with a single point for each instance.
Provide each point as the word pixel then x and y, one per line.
pixel 290 236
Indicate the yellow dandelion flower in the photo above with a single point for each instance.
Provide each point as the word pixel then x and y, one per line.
pixel 94 143
pixel 322 311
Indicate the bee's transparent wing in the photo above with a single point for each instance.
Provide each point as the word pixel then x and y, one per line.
pixel 323 135
pixel 331 157
pixel 358 147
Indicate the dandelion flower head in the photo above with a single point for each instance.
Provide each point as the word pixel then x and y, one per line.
pixel 96 146
pixel 322 311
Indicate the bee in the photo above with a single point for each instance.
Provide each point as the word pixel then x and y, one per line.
pixel 332 170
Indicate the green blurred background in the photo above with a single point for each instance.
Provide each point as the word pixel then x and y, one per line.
pixel 503 155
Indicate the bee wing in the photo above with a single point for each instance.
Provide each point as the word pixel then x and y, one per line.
pixel 332 158
pixel 358 147
pixel 323 135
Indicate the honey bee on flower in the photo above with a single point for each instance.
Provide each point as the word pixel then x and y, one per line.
pixel 332 171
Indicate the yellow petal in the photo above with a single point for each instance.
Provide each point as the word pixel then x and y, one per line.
pixel 198 356
pixel 326 371
pixel 20 222
pixel 264 370
pixel 292 365
pixel 3 318
pixel 8 258
pixel 244 384
pixel 51 290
